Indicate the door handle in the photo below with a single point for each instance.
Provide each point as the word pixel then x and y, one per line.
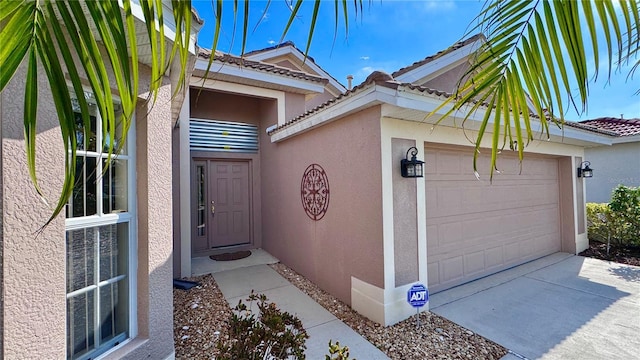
pixel 213 208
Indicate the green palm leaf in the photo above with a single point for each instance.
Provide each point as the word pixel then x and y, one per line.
pixel 48 33
pixel 539 48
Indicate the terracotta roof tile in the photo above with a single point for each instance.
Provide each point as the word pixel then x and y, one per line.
pixel 378 78
pixel 290 43
pixel 621 127
pixel 286 43
pixel 428 59
pixel 386 80
pixel 260 66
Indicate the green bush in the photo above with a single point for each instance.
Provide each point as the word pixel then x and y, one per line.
pixel 618 221
pixel 599 225
pixel 625 204
pixel 337 352
pixel 269 334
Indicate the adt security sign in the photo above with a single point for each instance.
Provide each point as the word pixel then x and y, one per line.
pixel 418 295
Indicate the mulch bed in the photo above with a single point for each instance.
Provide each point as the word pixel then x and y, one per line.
pixel 629 255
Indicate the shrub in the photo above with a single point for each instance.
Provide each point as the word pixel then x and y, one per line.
pixel 268 334
pixel 618 221
pixel 625 204
pixel 337 352
pixel 599 224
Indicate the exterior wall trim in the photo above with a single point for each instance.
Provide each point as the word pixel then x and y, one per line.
pixel 362 100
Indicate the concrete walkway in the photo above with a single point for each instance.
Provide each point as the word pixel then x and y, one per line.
pixel 559 307
pixel 320 324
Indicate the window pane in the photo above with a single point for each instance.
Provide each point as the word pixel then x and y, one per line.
pixel 80 324
pixel 114 187
pixel 84 198
pixel 88 143
pixel 113 250
pixel 80 259
pixel 77 199
pixel 118 135
pixel 91 173
pixel 114 309
pixel 201 206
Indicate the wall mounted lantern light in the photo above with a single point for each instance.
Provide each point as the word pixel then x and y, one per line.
pixel 411 168
pixel 586 171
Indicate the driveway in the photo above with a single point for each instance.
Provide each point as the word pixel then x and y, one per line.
pixel 559 307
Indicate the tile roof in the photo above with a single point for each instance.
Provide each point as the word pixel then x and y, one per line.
pixel 378 78
pixel 291 44
pixel 284 44
pixel 386 80
pixel 428 59
pixel 620 127
pixel 260 66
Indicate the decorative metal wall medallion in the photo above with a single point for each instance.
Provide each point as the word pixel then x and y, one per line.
pixel 314 192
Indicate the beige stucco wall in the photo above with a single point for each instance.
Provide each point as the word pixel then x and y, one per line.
pixel 34 274
pixel 34 279
pixel 318 99
pixel 613 165
pixel 294 105
pixel 217 105
pixel 405 223
pixel 447 81
pixel 347 241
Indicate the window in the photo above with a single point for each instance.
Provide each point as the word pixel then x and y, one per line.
pixel 100 245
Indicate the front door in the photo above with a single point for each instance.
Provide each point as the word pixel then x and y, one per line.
pixel 221 199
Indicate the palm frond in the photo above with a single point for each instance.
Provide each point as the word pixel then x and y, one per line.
pixel 539 49
pixel 49 34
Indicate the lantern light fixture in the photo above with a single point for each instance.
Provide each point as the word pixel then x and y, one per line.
pixel 585 171
pixel 411 168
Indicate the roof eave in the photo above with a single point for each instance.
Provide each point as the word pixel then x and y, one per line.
pixel 404 97
pixel 626 139
pixel 260 77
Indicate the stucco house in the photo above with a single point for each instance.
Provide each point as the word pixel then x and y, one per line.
pixel 617 164
pixel 97 283
pixel 270 151
pixel 273 152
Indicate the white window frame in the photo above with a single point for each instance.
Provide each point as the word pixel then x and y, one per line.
pixel 129 217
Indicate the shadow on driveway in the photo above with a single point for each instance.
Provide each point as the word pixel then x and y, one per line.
pixel 558 307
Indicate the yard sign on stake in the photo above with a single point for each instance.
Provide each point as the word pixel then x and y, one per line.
pixel 417 297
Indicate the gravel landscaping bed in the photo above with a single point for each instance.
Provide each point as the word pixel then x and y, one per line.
pixel 199 319
pixel 200 316
pixel 437 337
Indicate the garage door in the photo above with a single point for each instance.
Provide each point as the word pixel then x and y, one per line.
pixel 475 228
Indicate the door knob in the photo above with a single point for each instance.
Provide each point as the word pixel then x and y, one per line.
pixel 213 207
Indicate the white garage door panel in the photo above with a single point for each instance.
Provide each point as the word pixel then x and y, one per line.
pixel 475 228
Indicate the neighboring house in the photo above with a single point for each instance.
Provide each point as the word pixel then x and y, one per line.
pixel 272 152
pixel 618 164
pixel 107 289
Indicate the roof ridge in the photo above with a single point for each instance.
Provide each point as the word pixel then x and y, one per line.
pixel 260 65
pixel 440 53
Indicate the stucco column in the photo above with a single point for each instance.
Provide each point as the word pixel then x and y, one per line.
pixel 155 241
pixel 33 276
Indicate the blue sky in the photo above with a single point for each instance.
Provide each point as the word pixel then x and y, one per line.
pixel 387 35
